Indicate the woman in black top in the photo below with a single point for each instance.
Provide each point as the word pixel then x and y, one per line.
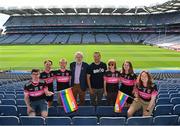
pixel 111 82
pixel 128 80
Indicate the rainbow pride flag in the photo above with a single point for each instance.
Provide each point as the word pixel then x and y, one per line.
pixel 120 101
pixel 68 100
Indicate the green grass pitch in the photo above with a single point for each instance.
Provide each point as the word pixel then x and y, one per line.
pixel 26 57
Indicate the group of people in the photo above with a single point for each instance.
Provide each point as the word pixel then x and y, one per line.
pixel 97 78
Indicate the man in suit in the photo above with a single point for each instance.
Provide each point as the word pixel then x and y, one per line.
pixel 78 79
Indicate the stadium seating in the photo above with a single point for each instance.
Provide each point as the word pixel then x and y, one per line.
pixel 105 111
pixel 112 121
pixel 9 120
pixel 163 101
pixel 175 100
pixel 84 120
pixel 26 120
pixel 8 110
pixel 140 120
pixel 86 111
pixel 166 120
pixel 176 109
pixel 8 102
pixel 20 102
pixel 22 110
pixel 174 95
pixel 163 109
pixel 58 121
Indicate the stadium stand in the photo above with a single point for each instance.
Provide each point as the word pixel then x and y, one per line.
pixel 160 29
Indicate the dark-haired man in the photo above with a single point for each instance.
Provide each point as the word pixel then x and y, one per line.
pixel 47 76
pixel 95 79
pixel 35 91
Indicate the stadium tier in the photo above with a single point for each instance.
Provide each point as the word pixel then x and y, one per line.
pixel 157 29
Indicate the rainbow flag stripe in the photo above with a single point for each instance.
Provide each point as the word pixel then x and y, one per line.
pixel 120 101
pixel 68 100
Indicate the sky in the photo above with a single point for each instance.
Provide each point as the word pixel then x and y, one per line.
pixel 74 3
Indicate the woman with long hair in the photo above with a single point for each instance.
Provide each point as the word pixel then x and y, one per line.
pixel 128 80
pixel 145 95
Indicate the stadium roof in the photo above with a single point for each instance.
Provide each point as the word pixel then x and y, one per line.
pixel 169 6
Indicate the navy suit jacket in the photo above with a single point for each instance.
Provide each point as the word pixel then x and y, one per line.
pixel 83 74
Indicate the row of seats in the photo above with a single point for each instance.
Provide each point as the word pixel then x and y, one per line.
pixel 8 110
pixel 76 38
pixel 81 38
pixel 174 101
pixel 133 20
pixel 20 100
pixel 91 120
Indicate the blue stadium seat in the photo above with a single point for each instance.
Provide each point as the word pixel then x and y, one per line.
pixel 175 100
pixel 105 111
pixel 20 102
pixel 174 95
pixel 91 120
pixel 22 110
pixel 55 103
pixel 10 92
pixel 112 121
pixel 161 101
pixel 8 102
pixel 176 109
pixel 166 120
pixel 163 110
pixel 2 93
pixel 9 120
pixel 163 96
pixel 163 92
pixel 53 111
pixel 10 89
pixel 103 102
pixel 140 120
pixel 26 120
pixel 20 92
pixel 86 111
pixel 19 96
pixel 87 102
pixel 9 96
pixel 173 91
pixel 8 110
pixel 58 121
pixel 1 96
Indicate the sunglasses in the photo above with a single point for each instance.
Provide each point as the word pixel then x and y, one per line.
pixel 111 64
